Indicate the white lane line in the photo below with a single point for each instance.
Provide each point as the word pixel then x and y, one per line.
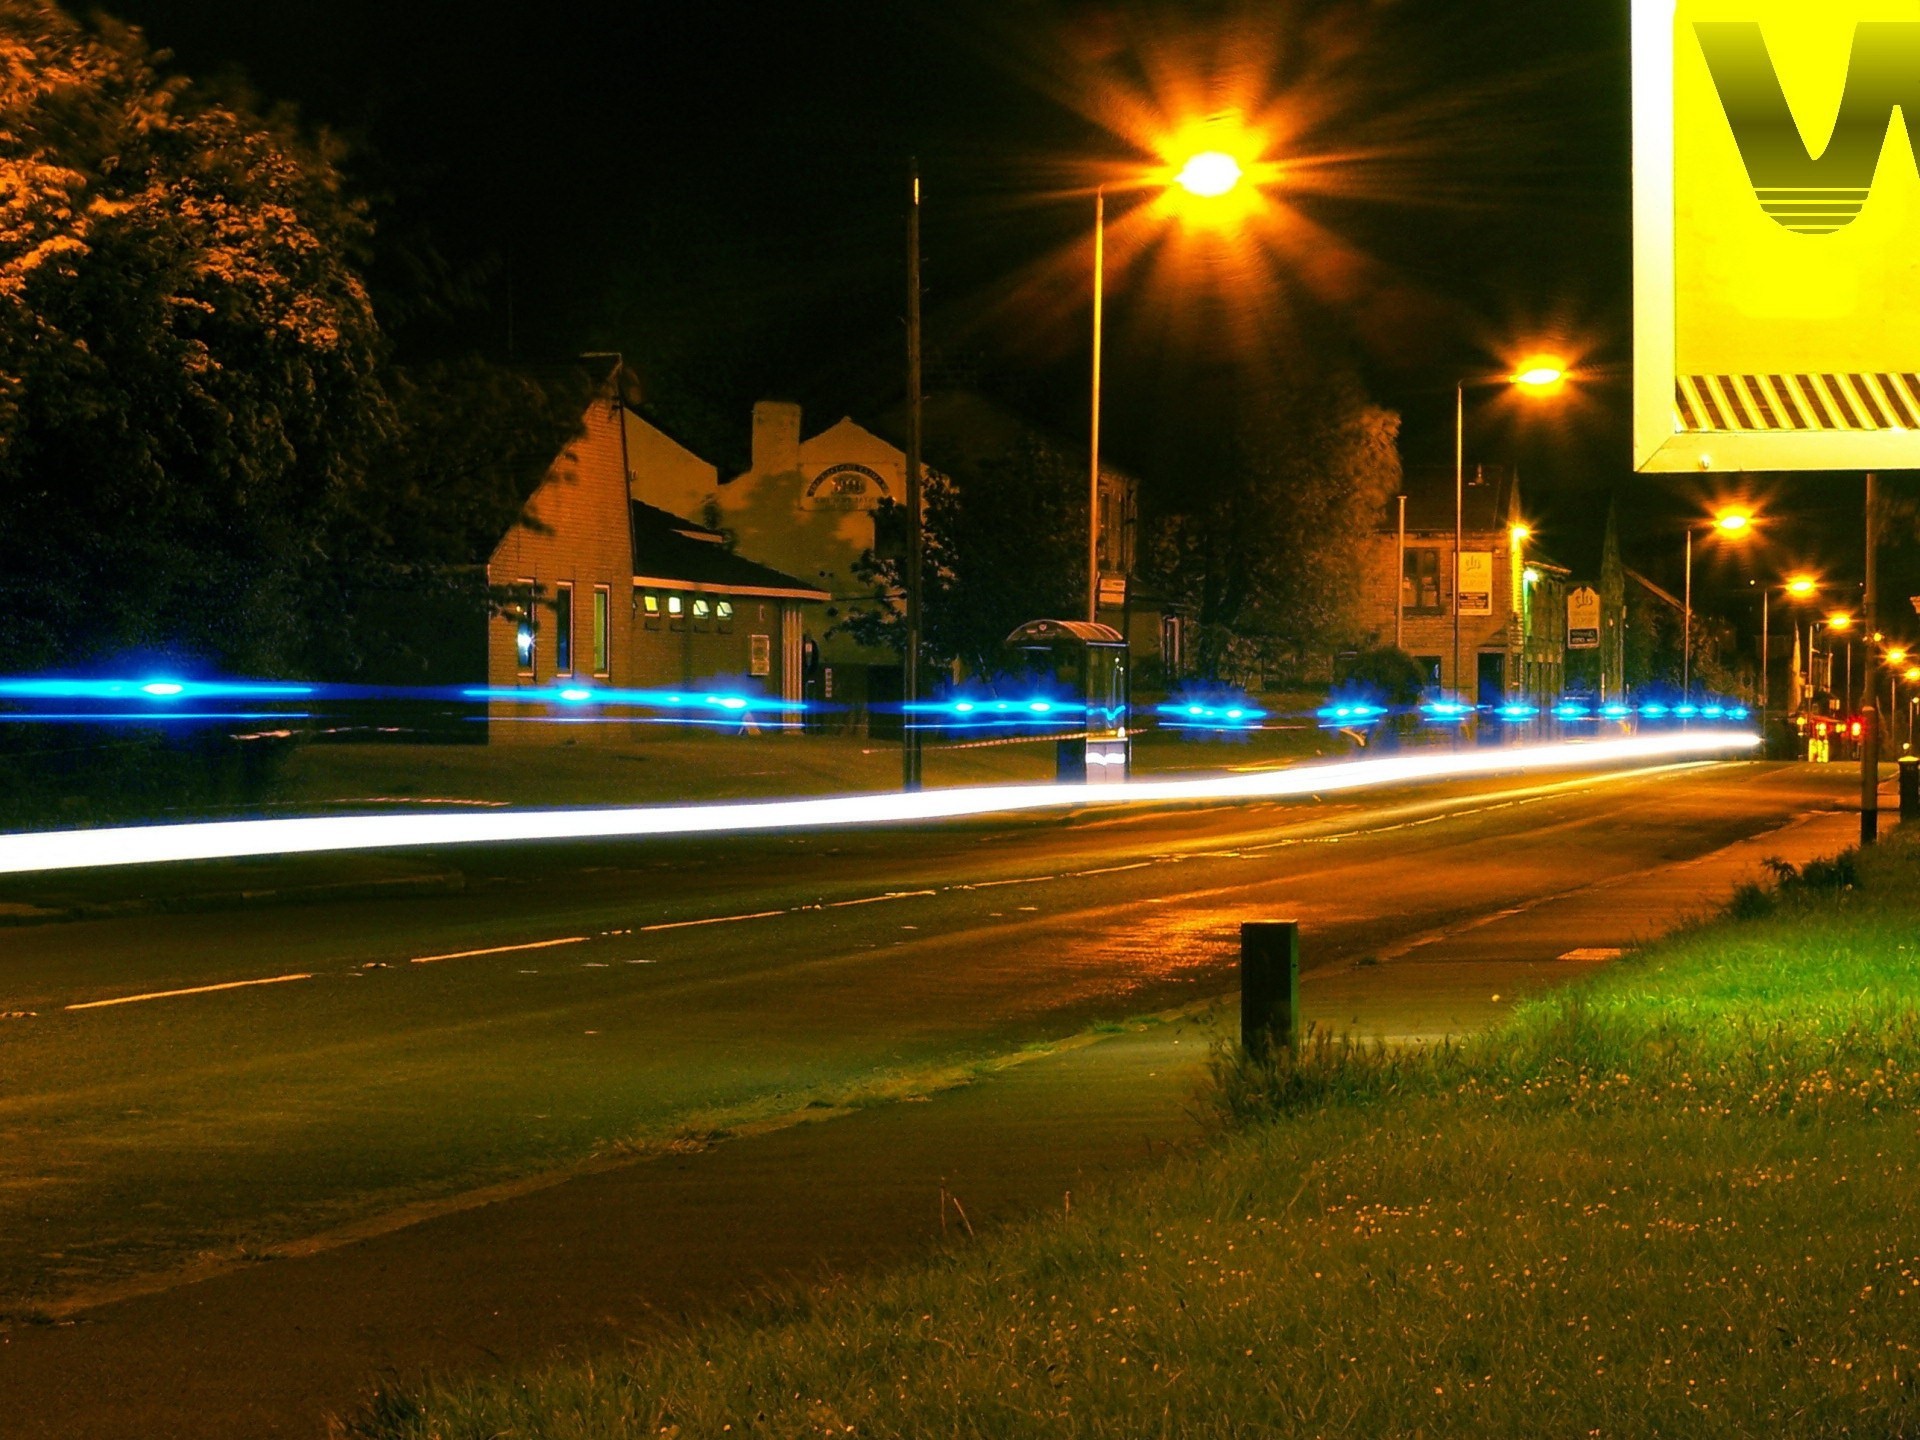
pixel 876 899
pixel 713 920
pixel 190 990
pixel 501 949
pixel 1111 869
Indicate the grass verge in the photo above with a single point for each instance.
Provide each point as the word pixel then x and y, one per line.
pixel 1680 1200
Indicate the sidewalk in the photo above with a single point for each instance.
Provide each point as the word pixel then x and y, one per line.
pixel 583 1264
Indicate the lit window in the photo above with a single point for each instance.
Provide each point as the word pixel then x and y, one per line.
pixel 602 629
pixel 723 612
pixel 673 604
pixel 701 609
pixel 676 613
pixel 523 627
pixel 563 629
pixel 651 610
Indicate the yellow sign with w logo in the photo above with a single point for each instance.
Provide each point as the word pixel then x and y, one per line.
pixel 1777 234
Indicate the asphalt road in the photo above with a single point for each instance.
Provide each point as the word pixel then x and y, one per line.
pixel 555 1003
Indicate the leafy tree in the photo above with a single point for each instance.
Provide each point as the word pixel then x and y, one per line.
pixel 1263 554
pixel 400 589
pixel 188 357
pixel 1003 545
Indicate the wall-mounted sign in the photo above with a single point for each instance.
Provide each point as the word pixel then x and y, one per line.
pixel 1776 257
pixel 1113 591
pixel 847 487
pixel 1474 584
pixel 1583 619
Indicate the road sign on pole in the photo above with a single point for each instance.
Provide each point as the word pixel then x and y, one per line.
pixel 1583 619
pixel 1777 270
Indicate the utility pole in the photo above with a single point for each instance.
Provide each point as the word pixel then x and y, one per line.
pixel 910 777
pixel 1099 338
pixel 1869 679
pixel 1400 588
pixel 1459 522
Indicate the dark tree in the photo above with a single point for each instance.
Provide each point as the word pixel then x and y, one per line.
pixel 1004 545
pixel 188 357
pixel 1264 553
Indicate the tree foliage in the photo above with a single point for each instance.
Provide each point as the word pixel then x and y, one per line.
pixel 1263 554
pixel 1004 544
pixel 189 383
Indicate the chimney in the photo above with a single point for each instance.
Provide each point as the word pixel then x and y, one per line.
pixel 776 437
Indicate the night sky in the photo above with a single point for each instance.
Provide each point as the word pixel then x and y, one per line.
pixel 717 191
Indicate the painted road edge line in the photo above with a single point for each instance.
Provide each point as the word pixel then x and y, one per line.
pixel 190 990
pixel 41 851
pixel 500 949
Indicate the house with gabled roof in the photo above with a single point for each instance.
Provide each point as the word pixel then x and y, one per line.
pixel 609 592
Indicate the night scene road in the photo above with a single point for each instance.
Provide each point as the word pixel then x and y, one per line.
pixel 188 1088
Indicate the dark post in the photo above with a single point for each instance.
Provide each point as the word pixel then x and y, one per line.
pixel 910 671
pixel 1269 985
pixel 1870 681
pixel 1909 789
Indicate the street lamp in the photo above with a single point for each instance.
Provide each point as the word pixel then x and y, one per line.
pixel 1539 375
pixel 1734 523
pixel 1205 177
pixel 1837 622
pixel 1796 587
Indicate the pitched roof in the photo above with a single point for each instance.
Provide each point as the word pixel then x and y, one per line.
pixel 676 553
pixel 1486 500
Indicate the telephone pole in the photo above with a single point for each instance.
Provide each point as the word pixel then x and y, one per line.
pixel 1870 679
pixel 910 677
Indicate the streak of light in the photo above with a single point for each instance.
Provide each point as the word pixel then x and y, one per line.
pixel 42 851
pixel 189 990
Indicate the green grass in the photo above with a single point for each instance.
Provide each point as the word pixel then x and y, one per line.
pixel 1682 1199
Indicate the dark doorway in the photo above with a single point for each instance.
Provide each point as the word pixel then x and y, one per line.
pixel 1493 679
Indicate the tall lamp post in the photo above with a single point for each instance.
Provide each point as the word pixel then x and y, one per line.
pixel 1796 587
pixel 1735 523
pixel 1539 376
pixel 1208 175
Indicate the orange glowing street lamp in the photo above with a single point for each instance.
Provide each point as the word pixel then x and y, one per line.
pixel 1210 174
pixel 1202 179
pixel 1736 523
pixel 1539 375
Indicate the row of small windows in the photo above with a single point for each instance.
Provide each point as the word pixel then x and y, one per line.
pixel 677 610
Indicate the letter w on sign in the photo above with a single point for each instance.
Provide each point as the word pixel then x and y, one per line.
pixel 1808 194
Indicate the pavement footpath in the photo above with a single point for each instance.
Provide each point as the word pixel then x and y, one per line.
pixel 608 1255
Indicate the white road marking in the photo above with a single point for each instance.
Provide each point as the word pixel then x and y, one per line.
pixel 1594 953
pixel 502 949
pixel 873 899
pixel 190 990
pixel 714 920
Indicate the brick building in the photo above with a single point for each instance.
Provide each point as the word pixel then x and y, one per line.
pixel 808 504
pixel 1513 613
pixel 612 592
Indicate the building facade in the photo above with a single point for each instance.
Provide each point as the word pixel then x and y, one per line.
pixel 608 593
pixel 810 505
pixel 1511 599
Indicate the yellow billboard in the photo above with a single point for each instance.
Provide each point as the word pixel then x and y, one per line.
pixel 1776 235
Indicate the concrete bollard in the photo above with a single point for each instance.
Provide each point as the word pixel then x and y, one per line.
pixel 1269 985
pixel 1909 766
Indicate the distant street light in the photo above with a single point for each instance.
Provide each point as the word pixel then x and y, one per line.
pixel 1539 375
pixel 1735 523
pixel 1797 587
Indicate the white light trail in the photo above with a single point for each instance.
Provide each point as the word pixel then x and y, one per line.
pixel 35 852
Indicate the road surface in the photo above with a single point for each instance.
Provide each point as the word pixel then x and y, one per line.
pixel 182 1090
